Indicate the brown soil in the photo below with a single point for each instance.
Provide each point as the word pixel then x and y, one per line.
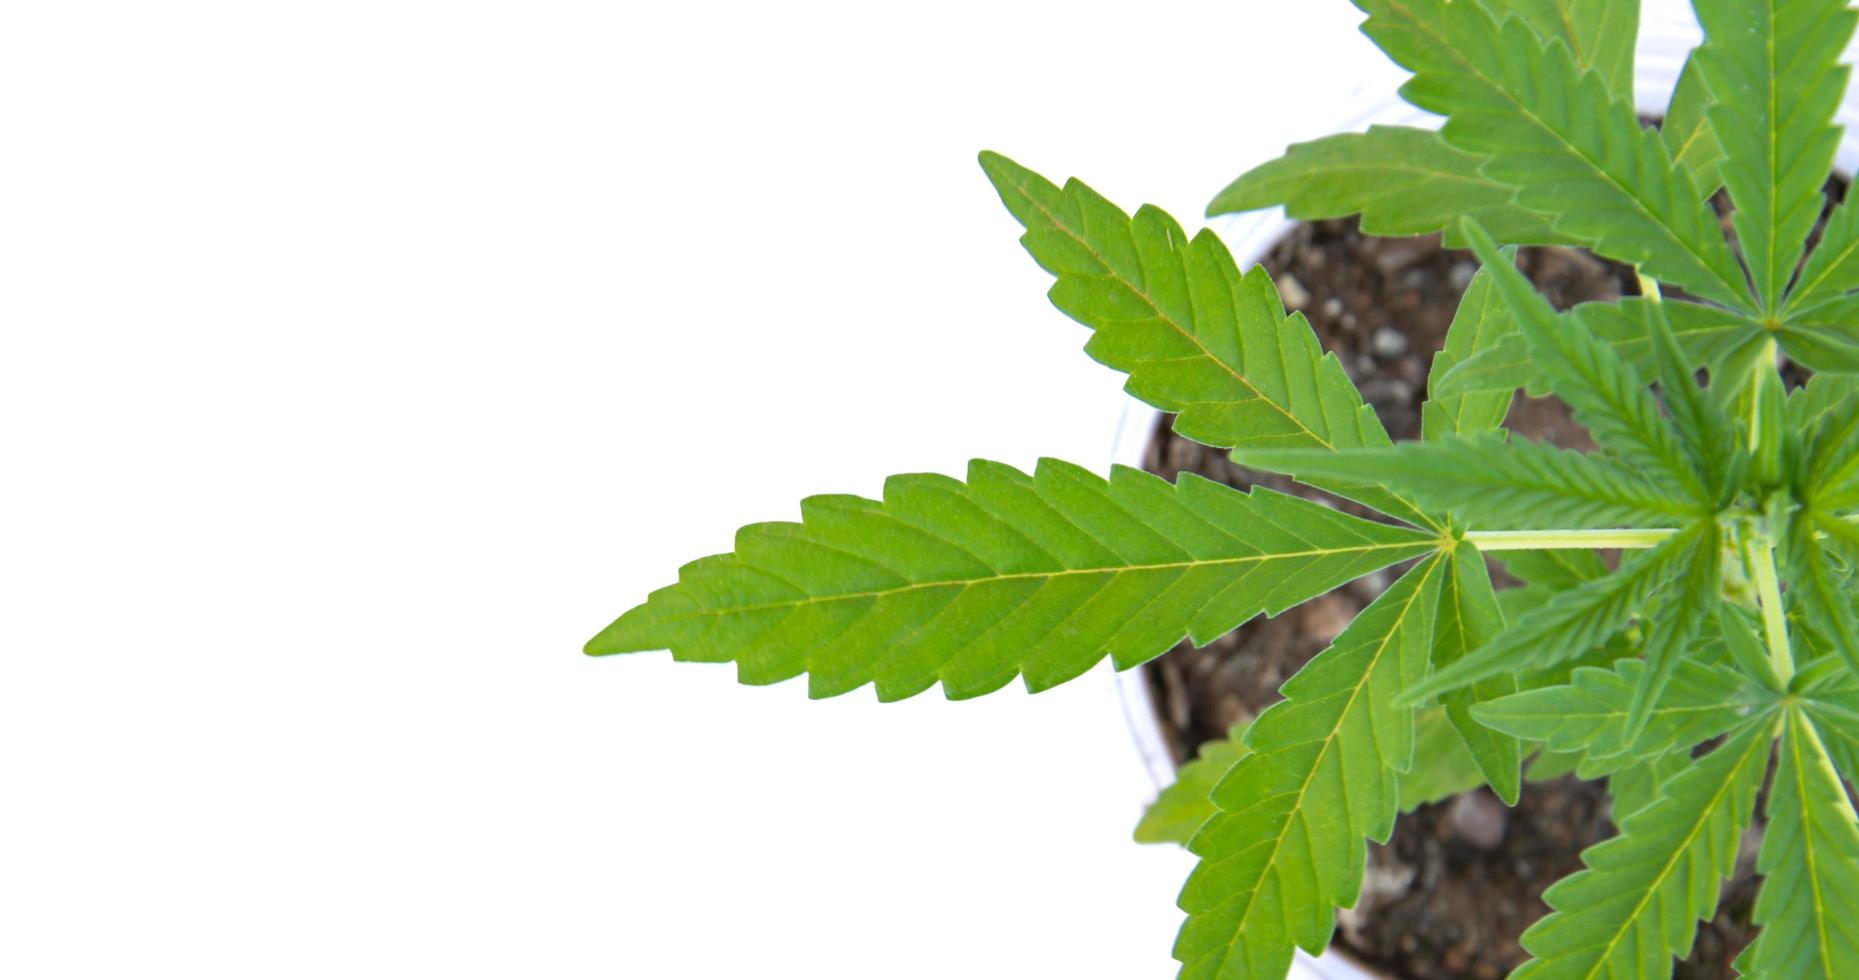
pixel 1437 903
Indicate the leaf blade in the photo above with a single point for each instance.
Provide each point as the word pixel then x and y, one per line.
pixel 1639 898
pixel 1468 618
pixel 1195 336
pixel 1808 852
pixel 1479 324
pixel 1287 847
pixel 973 583
pixel 1588 715
pixel 1570 623
pixel 1556 134
pixel 1598 33
pixel 1492 482
pixel 1773 67
pixel 1185 804
pixel 1605 392
pixel 1401 180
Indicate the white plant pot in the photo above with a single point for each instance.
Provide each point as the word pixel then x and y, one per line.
pixel 1668 32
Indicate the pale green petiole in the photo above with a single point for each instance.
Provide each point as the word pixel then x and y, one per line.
pixel 1580 538
pixel 1761 556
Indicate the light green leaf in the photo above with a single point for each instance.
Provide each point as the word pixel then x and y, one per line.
pixel 1287 848
pixel 973 583
pixel 1480 323
pixel 1822 343
pixel 1638 901
pixel 1559 570
pixel 1774 73
pixel 1492 482
pixel 1817 590
pixel 1640 785
pixel 1706 334
pixel 1686 130
pixel 1832 464
pixel 1571 623
pixel 1703 429
pixel 1689 601
pixel 1402 181
pixel 1598 33
pixel 1195 337
pixel 1468 618
pixel 1546 765
pixel 1442 765
pixel 1604 392
pixel 1741 629
pixel 1810 851
pixel 1833 268
pixel 1558 136
pixel 1808 404
pixel 1588 715
pixel 1185 804
pixel 1833 707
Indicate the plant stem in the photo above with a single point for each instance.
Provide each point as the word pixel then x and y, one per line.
pixel 1774 619
pixel 1584 538
pixel 1649 288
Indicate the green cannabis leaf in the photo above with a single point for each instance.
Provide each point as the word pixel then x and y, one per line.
pixel 1187 803
pixel 1195 337
pixel 1809 852
pixel 1401 180
pixel 1287 846
pixel 1717 652
pixel 1638 901
pixel 973 583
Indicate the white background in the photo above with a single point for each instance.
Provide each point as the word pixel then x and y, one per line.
pixel 363 359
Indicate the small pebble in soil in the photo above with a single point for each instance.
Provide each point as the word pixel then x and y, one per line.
pixel 1296 297
pixel 1395 258
pixel 1478 819
pixel 1389 343
pixel 1461 273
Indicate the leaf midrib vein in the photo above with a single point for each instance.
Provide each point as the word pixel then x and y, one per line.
pixel 1526 111
pixel 1677 855
pixel 1399 623
pixel 1420 544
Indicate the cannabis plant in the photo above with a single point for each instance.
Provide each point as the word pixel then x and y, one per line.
pixel 1688 626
